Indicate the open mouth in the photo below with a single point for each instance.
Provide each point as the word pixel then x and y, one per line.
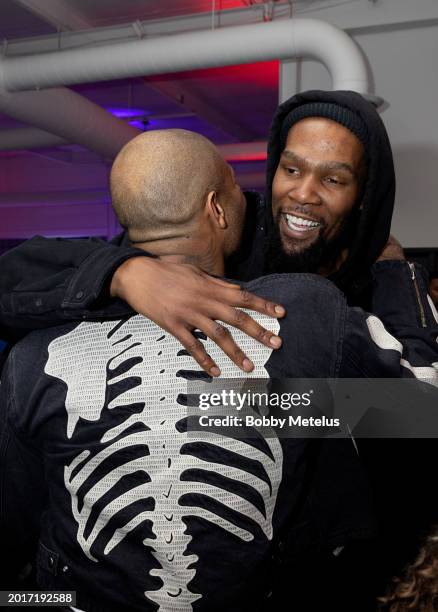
pixel 298 226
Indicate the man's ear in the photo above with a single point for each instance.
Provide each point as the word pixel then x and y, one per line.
pixel 215 210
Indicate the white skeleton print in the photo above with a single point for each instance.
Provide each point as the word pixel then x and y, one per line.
pixel 95 356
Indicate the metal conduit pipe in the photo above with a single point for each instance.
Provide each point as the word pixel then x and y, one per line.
pixel 73 118
pixel 283 39
pixel 63 115
pixel 28 138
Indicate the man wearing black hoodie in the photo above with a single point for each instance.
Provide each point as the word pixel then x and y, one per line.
pixel 353 231
pixel 44 282
pixel 77 285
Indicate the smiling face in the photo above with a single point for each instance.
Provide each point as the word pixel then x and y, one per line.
pixel 316 185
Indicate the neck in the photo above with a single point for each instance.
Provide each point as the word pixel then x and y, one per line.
pixel 333 266
pixel 204 254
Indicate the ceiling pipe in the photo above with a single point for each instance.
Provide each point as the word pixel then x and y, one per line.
pixel 28 138
pixel 63 116
pixel 33 138
pixel 73 118
pixel 193 50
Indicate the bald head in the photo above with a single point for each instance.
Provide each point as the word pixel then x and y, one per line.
pixel 159 182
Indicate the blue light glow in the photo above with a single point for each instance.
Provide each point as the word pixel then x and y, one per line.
pixel 123 112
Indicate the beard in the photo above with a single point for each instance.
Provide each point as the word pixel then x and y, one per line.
pixel 320 253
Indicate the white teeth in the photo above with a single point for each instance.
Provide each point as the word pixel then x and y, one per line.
pixel 293 222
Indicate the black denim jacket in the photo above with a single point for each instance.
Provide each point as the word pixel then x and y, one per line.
pixel 322 502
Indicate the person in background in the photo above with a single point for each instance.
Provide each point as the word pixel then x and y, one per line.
pixel 417 588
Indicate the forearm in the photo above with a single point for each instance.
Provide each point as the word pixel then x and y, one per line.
pixel 180 298
pixel 44 282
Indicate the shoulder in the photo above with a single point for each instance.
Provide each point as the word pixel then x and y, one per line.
pixel 298 289
pixel 26 386
pixel 313 329
pixel 40 338
pixel 28 357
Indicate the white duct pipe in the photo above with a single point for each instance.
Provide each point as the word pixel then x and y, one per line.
pixel 77 120
pixel 28 138
pixel 69 116
pixel 191 50
pixel 33 138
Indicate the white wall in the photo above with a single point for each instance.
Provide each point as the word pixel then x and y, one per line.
pixel 404 62
pixel 405 68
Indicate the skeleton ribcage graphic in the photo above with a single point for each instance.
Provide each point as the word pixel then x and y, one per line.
pixel 157 454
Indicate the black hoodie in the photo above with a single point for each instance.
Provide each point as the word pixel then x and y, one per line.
pixel 372 229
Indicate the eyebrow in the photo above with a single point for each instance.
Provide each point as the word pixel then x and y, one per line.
pixel 333 165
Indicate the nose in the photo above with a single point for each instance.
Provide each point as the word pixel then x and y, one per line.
pixel 305 190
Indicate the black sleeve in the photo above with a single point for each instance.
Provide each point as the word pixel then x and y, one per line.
pixel 44 282
pixel 370 351
pixel 400 338
pixel 400 299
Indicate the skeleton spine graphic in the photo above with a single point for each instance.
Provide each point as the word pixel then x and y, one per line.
pixel 112 366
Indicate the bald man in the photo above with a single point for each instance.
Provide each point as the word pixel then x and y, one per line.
pixel 168 207
pixel 138 514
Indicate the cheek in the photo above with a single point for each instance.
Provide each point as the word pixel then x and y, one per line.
pixel 338 210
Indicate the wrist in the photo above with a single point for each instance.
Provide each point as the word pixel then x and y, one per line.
pixel 124 274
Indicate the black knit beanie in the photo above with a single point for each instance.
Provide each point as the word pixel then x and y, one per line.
pixel 337 113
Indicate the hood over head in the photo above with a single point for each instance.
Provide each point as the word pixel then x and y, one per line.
pixel 372 228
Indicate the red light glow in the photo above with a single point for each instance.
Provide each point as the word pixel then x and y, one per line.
pixel 261 74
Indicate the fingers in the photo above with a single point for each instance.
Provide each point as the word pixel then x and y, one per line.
pixel 243 321
pixel 197 351
pixel 223 338
pixel 223 283
pixel 245 299
pixel 215 310
pixel 235 296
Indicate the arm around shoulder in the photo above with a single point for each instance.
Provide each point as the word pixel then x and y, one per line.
pixel 46 281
